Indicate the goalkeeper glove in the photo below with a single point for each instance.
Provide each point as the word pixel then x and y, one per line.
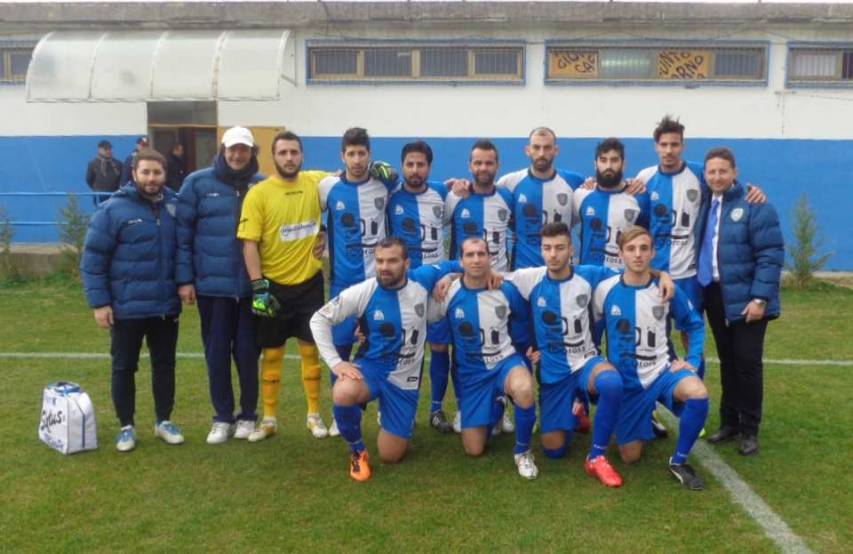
pixel 264 303
pixel 384 172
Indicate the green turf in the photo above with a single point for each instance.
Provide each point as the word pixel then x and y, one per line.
pixel 292 492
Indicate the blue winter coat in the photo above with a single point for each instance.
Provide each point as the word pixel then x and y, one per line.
pixel 129 256
pixel 209 254
pixel 750 252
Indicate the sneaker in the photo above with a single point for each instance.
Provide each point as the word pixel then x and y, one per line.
pixel 243 429
pixel 457 422
pixel 359 466
pixel 220 432
pixel 266 429
pixel 658 427
pixel 507 426
pixel 601 469
pixel 126 439
pixel 439 421
pixel 687 476
pixel 526 466
pixel 167 431
pixel 315 424
pixel 582 423
pixel 333 430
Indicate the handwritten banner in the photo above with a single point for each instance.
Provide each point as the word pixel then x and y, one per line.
pixel 573 64
pixel 684 64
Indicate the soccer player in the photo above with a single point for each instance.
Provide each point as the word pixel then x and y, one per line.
pixel 607 210
pixel 128 272
pixel 393 310
pixel 487 363
pixel 282 248
pixel 541 194
pixel 210 270
pixel 416 216
pixel 635 319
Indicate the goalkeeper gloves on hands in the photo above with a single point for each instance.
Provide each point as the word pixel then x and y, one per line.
pixel 264 303
pixel 384 172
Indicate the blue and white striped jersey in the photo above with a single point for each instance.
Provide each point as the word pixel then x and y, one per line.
pixel 418 219
pixel 603 216
pixel 636 324
pixel 675 199
pixel 393 320
pixel 480 322
pixel 537 202
pixel 486 216
pixel 355 223
pixel 562 316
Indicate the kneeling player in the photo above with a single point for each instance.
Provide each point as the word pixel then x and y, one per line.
pixel 393 310
pixel 635 319
pixel 487 363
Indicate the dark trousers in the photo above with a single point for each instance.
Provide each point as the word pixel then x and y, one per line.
pixel 740 346
pixel 228 331
pixel 161 336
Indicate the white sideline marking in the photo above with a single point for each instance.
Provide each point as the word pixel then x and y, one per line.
pixel 771 523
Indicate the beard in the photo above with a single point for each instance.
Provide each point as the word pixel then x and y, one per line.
pixel 288 174
pixel 608 179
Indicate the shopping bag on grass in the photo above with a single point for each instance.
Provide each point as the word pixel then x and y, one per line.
pixel 67 418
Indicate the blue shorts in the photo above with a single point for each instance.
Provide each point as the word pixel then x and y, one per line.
pixel 476 400
pixel 556 399
pixel 439 332
pixel 693 290
pixel 398 406
pixel 635 418
pixel 343 334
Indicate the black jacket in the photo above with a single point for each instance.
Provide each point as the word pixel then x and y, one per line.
pixel 103 174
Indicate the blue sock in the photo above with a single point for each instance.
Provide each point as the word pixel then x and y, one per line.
pixel 692 421
pixel 439 373
pixel 344 353
pixel 349 424
pixel 525 419
pixel 608 384
pixel 701 369
pixel 555 453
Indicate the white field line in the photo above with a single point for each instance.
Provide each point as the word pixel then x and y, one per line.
pixel 771 523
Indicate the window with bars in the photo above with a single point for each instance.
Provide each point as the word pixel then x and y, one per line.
pixel 13 64
pixel 415 63
pixel 820 65
pixel 660 64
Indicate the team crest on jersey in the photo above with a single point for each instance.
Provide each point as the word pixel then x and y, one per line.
pixel 379 203
pixel 378 316
pixel 654 196
pixel 420 310
pixel 465 213
pixel 590 211
pixel 737 214
pixel 522 198
pixel 459 314
pixel 541 302
pixel 438 211
pixel 398 210
pixel 583 300
pixel 658 312
pixel 500 312
pixel 631 215
pixel 692 195
pixel 615 311
pixel 171 209
pixel 502 214
pixel 340 206
pixel 562 198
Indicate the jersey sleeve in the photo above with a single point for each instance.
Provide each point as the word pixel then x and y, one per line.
pixel 251 217
pixel 450 202
pixel 595 274
pixel 350 302
pixel 436 311
pixel 517 304
pixel 691 322
pixel 508 198
pixel 574 180
pixel 324 188
pixel 525 279
pixel 645 204
pixel 429 275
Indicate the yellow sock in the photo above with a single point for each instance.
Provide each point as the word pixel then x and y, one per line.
pixel 271 379
pixel 310 375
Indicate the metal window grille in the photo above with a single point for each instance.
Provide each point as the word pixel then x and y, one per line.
pixel 847 65
pixel 497 62
pixel 737 64
pixel 335 62
pixel 14 64
pixel 444 62
pixel 387 62
pixel 814 64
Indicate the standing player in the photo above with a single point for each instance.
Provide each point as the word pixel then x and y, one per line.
pixel 608 210
pixel 635 319
pixel 416 216
pixel 541 194
pixel 282 246
pixel 487 363
pixel 393 310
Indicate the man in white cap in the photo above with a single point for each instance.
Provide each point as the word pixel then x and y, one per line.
pixel 211 273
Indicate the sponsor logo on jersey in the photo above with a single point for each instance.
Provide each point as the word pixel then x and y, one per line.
pixel 522 198
pixel 171 209
pixel 212 195
pixel 398 210
pixel 737 214
pixel 541 302
pixel 658 312
pixel 459 314
pixel 693 195
pixel 583 300
pixel 134 221
pixel 654 196
pixel 420 310
pixel 297 231
pixel 590 211
pixel 378 316
pixel 615 311
pixel 465 213
pixel 562 198
pixel 340 206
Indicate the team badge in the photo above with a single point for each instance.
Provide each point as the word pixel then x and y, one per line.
pixel 530 210
pixel 171 209
pixel 549 317
pixel 737 214
pixel 692 195
pixel 563 198
pixel 623 326
pixel 438 211
pixel 582 300
pixel 379 203
pixel 419 309
pixel 502 214
pixel 500 312
pixel 409 225
pixel 658 312
pixel 661 210
pixel 631 215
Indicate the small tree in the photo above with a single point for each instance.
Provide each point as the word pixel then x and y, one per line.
pixel 803 254
pixel 7 268
pixel 72 233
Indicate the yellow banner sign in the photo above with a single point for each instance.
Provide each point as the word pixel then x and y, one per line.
pixel 573 64
pixel 684 64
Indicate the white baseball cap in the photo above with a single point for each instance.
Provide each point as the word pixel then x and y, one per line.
pixel 238 135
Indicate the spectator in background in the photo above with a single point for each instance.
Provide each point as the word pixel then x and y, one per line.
pixel 103 172
pixel 126 169
pixel 176 167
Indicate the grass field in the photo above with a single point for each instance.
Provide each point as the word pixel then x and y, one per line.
pixel 292 493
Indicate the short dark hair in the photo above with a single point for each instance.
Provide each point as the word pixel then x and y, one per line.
pixel 417 146
pixel 388 242
pixel 485 144
pixel 473 239
pixel 355 136
pixel 610 144
pixel 668 125
pixel 556 229
pixel 286 135
pixel 148 154
pixel 723 153
pixel 105 144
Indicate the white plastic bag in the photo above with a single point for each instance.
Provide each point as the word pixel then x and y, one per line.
pixel 68 419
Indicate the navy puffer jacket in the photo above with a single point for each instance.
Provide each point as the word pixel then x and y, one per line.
pixel 129 256
pixel 750 252
pixel 209 254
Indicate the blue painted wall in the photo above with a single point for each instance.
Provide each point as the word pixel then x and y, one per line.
pixel 784 169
